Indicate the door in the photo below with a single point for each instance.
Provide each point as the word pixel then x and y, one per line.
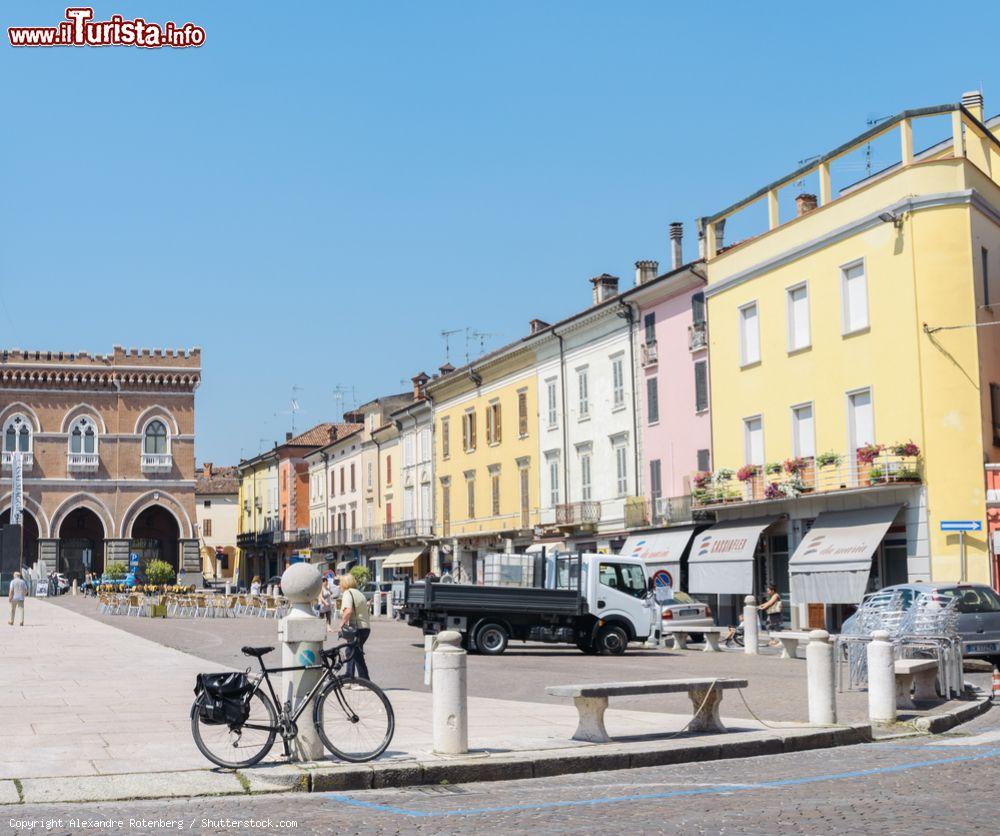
pixel 621 590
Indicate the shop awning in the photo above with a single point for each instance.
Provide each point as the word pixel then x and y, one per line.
pixel 833 561
pixel 548 548
pixel 661 551
pixel 344 565
pixel 721 559
pixel 404 557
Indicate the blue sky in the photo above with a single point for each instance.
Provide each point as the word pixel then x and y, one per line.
pixel 323 187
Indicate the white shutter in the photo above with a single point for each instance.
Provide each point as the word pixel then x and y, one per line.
pixel 754 433
pixel 803 432
pixel 749 334
pixel 798 317
pixel 862 419
pixel 855 298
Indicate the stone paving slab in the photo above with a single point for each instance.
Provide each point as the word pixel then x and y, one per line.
pixel 125 787
pixel 9 793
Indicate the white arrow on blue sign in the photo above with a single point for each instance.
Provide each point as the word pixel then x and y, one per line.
pixel 961 525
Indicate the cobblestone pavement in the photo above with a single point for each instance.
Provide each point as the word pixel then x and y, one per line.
pixel 777 688
pixel 948 784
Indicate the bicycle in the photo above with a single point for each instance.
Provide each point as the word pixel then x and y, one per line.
pixel 342 707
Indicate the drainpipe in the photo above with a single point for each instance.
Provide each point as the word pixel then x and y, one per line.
pixel 565 419
pixel 625 312
pixel 326 493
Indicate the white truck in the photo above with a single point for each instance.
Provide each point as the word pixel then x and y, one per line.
pixel 599 602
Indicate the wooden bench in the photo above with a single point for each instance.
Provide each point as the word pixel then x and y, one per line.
pixel 679 633
pixel 918 675
pixel 592 701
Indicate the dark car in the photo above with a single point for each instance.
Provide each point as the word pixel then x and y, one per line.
pixel 978 607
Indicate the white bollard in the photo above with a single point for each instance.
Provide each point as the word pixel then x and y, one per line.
pixel 429 642
pixel 820 679
pixel 881 679
pixel 74 586
pixel 301 634
pixel 229 587
pixel 751 632
pixel 450 706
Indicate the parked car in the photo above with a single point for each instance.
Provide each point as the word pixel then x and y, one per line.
pixel 978 607
pixel 372 587
pixel 681 608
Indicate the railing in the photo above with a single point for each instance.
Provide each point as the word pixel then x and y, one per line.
pixel 698 336
pixel 578 513
pixel 27 460
pixel 156 462
pixel 636 512
pixel 295 535
pixel 82 461
pixel 648 353
pixel 671 509
pixel 808 477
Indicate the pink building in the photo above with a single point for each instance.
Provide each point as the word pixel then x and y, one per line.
pixel 673 390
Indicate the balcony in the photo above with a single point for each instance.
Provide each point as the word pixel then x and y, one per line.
pixel 648 353
pixel 669 510
pixel 27 460
pixel 295 536
pixel 578 513
pixel 157 462
pixel 82 462
pixel 698 336
pixel 806 477
pixel 636 512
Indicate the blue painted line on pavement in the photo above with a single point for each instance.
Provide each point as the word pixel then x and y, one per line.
pixel 717 790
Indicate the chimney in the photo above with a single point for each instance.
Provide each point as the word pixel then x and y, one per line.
pixel 206 470
pixel 288 436
pixel 645 271
pixel 419 381
pixel 605 286
pixel 720 235
pixel 804 204
pixel 447 368
pixel 676 237
pixel 973 102
pixel 700 224
pixel 537 325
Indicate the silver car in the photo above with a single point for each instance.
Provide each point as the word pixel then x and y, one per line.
pixel 978 607
pixel 681 608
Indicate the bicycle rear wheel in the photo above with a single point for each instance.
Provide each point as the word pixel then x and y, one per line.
pixel 354 719
pixel 236 748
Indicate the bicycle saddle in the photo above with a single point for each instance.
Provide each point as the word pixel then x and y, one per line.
pixel 256 651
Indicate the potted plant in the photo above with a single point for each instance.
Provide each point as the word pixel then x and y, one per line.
pixel 115 571
pixel 772 468
pixel 159 573
pixel 749 475
pixel 907 474
pixel 876 475
pixel 869 452
pixel 772 490
pixel 906 450
pixel 829 459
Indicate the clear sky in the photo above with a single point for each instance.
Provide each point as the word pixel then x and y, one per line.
pixel 323 187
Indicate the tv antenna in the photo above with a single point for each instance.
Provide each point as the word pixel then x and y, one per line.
pixel 800 183
pixel 293 405
pixel 339 397
pixel 447 341
pixel 871 122
pixel 483 337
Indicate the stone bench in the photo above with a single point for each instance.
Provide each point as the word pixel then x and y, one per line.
pixel 680 632
pixel 592 701
pixel 918 675
pixel 790 641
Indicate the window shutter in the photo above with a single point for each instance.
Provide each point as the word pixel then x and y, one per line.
pixel 496 424
pixel 701 386
pixel 652 401
pixel 465 432
pixel 472 430
pixel 698 308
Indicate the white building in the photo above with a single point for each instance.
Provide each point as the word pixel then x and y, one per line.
pixel 587 422
pixel 217 511
pixel 335 503
pixel 415 423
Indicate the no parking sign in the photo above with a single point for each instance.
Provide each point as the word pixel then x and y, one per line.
pixel 663 584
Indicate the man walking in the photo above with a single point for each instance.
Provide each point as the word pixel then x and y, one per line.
pixel 17 593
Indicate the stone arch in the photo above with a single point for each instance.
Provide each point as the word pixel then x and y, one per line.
pixel 79 410
pixel 167 502
pixel 34 508
pixel 157 411
pixel 25 410
pixel 83 500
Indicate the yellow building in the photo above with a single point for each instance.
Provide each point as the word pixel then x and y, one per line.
pixel 257 518
pixel 485 457
pixel 848 327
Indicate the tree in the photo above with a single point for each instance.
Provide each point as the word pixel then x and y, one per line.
pixel 116 570
pixel 160 573
pixel 361 575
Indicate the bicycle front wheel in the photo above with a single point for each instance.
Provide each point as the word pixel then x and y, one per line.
pixel 354 719
pixel 234 747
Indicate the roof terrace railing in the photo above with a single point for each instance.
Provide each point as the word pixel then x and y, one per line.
pixel 985 154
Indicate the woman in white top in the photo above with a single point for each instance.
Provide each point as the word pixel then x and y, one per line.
pixel 255 586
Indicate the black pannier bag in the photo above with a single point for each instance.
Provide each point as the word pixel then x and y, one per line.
pixel 227 697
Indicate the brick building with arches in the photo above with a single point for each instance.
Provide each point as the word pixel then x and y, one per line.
pixel 107 444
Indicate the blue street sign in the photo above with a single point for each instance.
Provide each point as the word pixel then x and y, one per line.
pixel 961 525
pixel 133 559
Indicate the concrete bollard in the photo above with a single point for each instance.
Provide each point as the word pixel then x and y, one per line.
pixel 820 679
pixel 229 588
pixel 751 628
pixel 429 643
pixel 74 586
pixel 450 705
pixel 881 679
pixel 301 634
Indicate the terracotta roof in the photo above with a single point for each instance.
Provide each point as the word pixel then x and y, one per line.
pixel 224 480
pixel 321 434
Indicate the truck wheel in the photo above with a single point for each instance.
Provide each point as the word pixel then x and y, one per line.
pixel 492 639
pixel 586 645
pixel 611 640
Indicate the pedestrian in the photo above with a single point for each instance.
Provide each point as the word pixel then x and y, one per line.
pixel 735 633
pixel 255 586
pixel 323 604
pixel 430 577
pixel 355 625
pixel 772 609
pixel 16 594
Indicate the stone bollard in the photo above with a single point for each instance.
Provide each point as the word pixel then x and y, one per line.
pixel 820 679
pixel 881 679
pixel 751 631
pixel 301 634
pixel 450 705
pixel 430 641
pixel 74 586
pixel 229 587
